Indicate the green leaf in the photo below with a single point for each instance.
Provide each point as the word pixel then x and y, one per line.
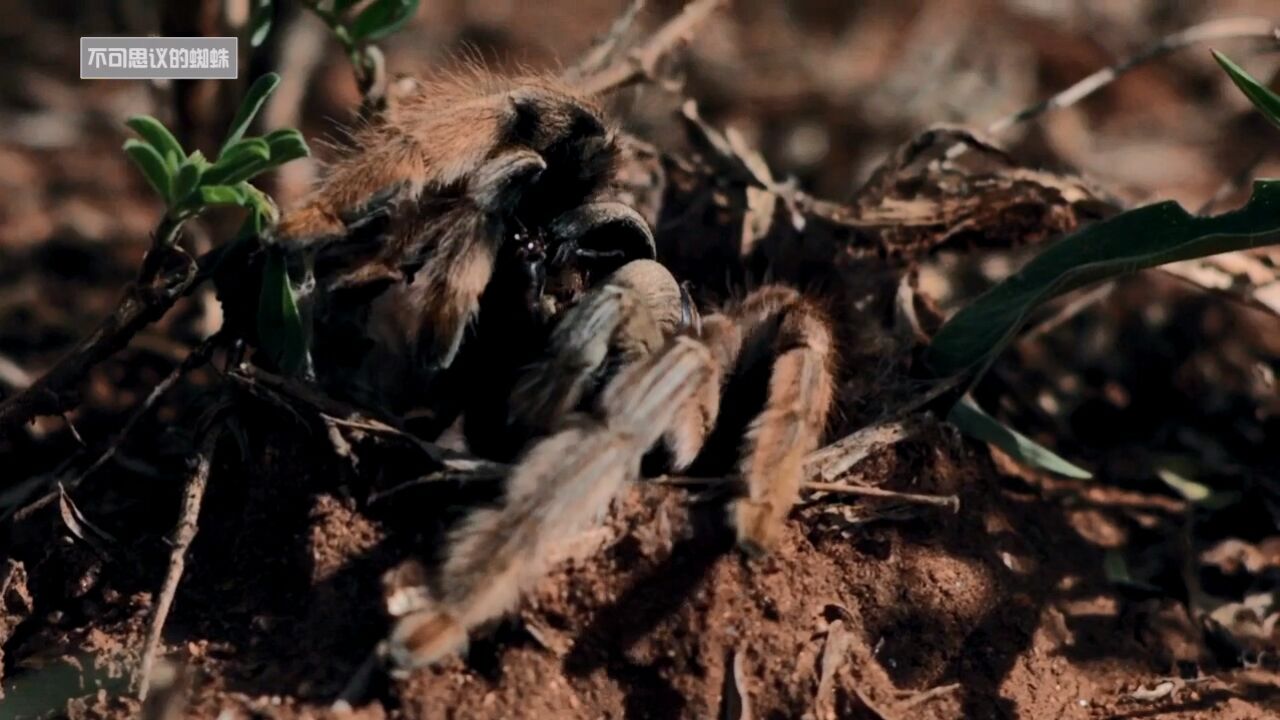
pixel 241 161
pixel 1179 474
pixel 286 145
pixel 1116 568
pixel 260 23
pixel 249 107
pixel 264 209
pixel 974 422
pixel 1140 238
pixel 256 146
pixel 247 148
pixel 153 167
pixel 159 137
pixel 1267 102
pixel 187 179
pixel 223 195
pixel 382 18
pixel 340 5
pixel 280 332
pixel 198 159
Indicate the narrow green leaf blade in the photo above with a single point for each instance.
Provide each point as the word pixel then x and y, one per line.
pixel 974 422
pixel 186 180
pixel 159 137
pixel 1116 568
pixel 241 161
pixel 257 148
pixel 249 107
pixel 223 195
pixel 263 207
pixel 1179 473
pixel 286 145
pixel 280 332
pixel 260 23
pixel 381 19
pixel 153 167
pixel 1140 238
pixel 1267 102
pixel 246 169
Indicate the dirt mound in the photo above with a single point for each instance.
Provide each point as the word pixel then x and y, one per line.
pixel 866 610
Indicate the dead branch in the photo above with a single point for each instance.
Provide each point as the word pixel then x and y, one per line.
pixel 495 472
pixel 1223 29
pixel 196 357
pixel 641 63
pixel 602 51
pixel 293 393
pixel 949 502
pixel 836 459
pixel 145 301
pixel 183 534
pixel 12 375
pixel 925 696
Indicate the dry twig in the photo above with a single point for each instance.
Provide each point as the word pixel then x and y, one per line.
pixel 602 51
pixel 949 502
pixel 1222 29
pixel 146 300
pixel 641 63
pixel 183 534
pixel 834 460
pixel 196 357
pixel 292 393
pixel 925 696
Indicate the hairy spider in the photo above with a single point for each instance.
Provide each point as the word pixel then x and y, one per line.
pixel 509 287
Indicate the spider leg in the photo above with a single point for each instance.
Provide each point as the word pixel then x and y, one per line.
pixel 777 323
pixel 623 319
pixel 457 241
pixel 563 483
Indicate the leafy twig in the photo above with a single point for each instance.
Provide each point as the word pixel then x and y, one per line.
pixel 188 184
pixel 356 35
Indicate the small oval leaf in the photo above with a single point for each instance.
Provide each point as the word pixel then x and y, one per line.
pixel 185 182
pixel 159 137
pixel 223 195
pixel 285 145
pixel 260 23
pixel 242 161
pixel 382 18
pixel 153 167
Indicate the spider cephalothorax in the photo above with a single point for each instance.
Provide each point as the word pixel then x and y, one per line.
pixel 481 214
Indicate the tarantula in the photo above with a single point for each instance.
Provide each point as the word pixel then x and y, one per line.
pixel 502 281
